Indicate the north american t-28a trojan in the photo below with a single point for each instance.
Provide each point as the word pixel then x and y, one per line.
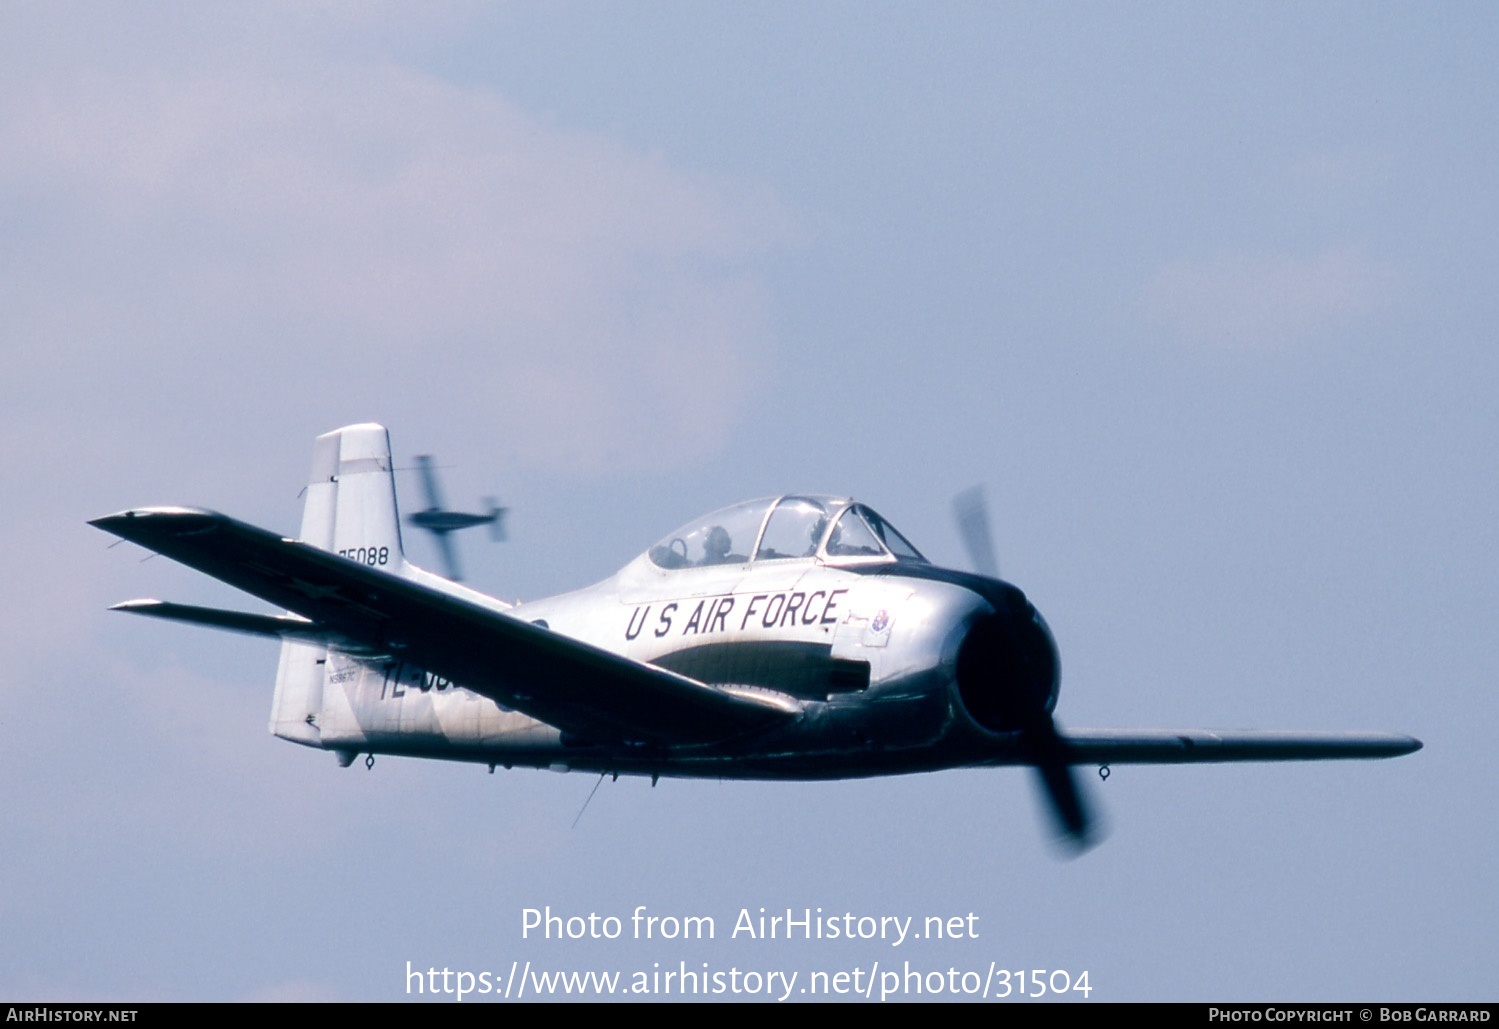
pixel 794 637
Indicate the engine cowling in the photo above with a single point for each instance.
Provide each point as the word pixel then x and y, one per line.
pixel 1007 666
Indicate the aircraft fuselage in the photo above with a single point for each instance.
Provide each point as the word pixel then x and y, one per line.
pixel 872 657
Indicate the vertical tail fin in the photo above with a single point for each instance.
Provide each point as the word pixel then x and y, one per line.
pixel 350 509
pixel 351 498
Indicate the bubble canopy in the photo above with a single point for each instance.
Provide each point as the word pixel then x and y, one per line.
pixel 835 529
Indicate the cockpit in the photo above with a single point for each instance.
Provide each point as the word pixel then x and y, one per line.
pixel 833 529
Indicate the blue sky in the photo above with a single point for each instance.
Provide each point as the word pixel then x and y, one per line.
pixel 1204 296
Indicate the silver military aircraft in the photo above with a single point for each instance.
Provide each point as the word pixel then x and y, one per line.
pixel 793 637
pixel 440 522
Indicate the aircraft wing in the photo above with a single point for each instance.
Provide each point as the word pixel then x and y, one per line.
pixel 1197 746
pixel 585 691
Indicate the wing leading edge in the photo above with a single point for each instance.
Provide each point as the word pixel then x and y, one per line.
pixel 587 692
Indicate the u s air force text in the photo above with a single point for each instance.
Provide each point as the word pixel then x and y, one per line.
pixel 761 924
pixel 763 610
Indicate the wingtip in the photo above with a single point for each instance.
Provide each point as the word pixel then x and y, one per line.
pixel 143 606
pixel 109 521
pixel 1390 744
pixel 126 523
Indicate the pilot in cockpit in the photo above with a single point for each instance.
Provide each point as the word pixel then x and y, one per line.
pixel 815 534
pixel 717 546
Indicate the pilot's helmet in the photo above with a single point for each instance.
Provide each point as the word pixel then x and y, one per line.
pixel 718 543
pixel 815 534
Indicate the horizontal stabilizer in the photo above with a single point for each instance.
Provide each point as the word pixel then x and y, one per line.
pixel 278 626
pixel 282 627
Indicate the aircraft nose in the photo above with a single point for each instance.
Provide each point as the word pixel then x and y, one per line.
pixel 1008 668
pixel 1008 676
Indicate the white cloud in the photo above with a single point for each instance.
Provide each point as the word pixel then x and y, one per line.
pixel 1266 300
pixel 248 223
pixel 215 227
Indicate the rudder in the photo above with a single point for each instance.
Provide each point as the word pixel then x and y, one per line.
pixel 350 509
pixel 351 498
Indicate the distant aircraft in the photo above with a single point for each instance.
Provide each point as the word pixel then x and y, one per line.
pixel 793 637
pixel 439 521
